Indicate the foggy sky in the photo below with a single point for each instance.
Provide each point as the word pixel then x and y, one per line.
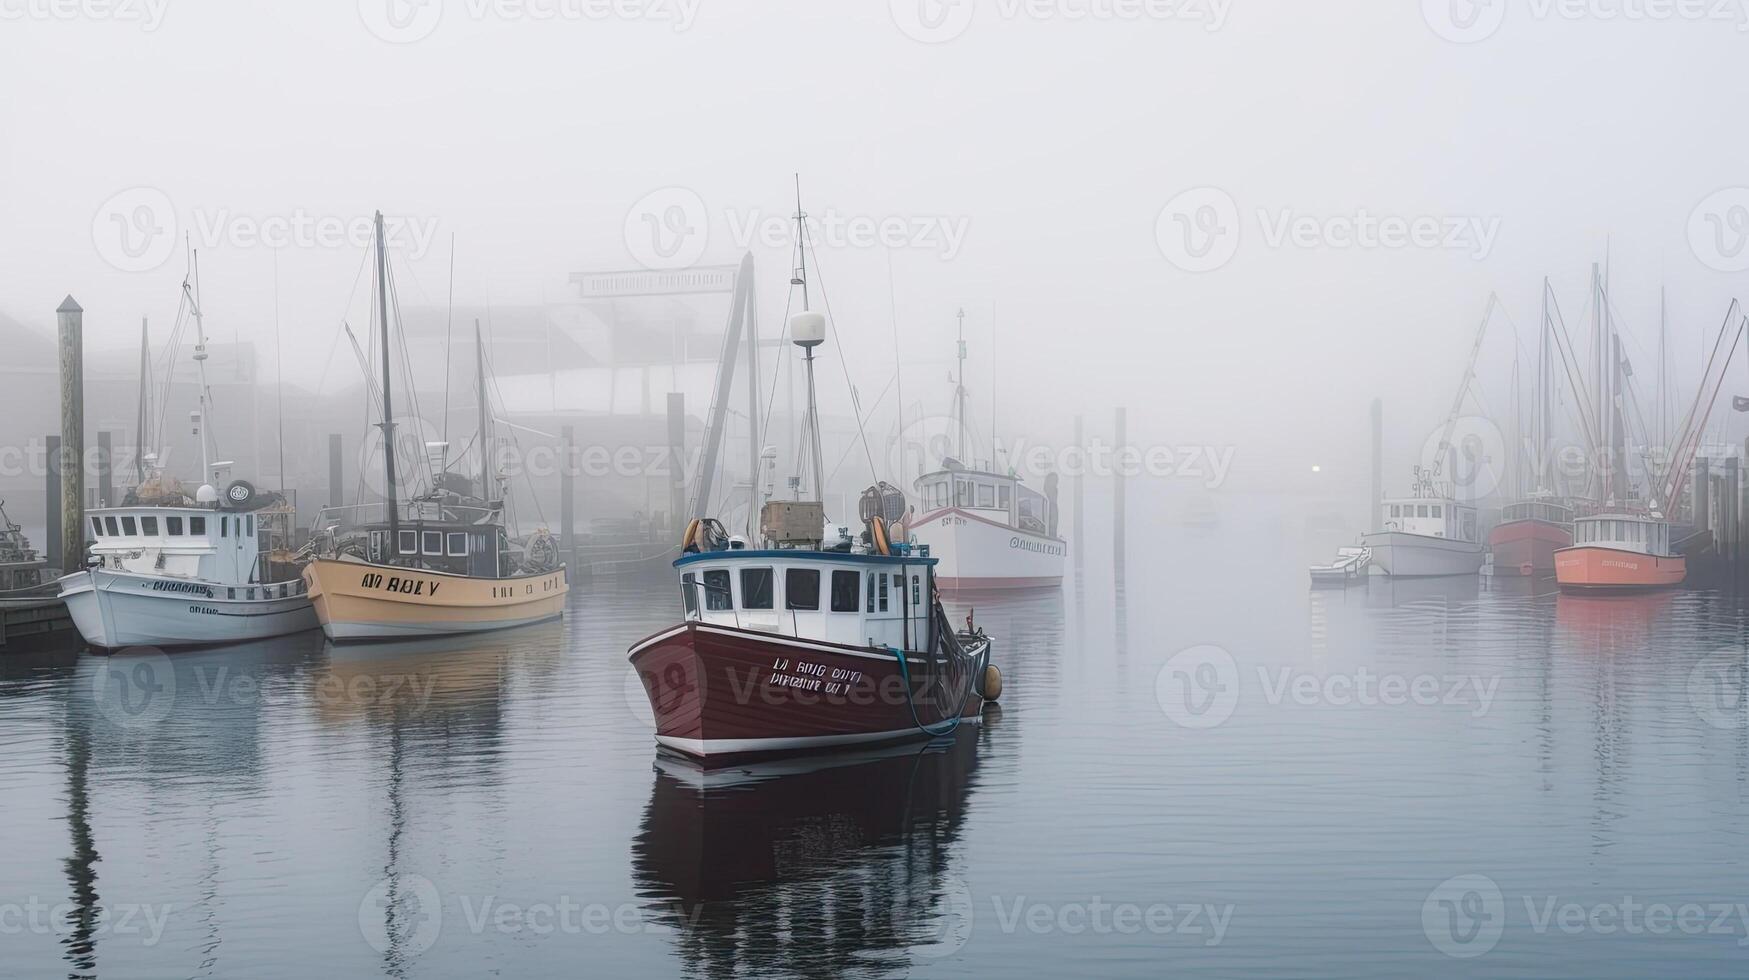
pixel 1053 141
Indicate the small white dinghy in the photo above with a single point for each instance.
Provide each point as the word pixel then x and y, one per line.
pixel 1350 564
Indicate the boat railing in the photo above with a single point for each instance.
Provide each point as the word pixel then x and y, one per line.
pixel 330 519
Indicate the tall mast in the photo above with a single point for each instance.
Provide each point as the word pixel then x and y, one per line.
pixel 1542 398
pixel 754 429
pixel 812 428
pixel 205 401
pixel 485 416
pixel 1599 490
pixel 1663 326
pixel 959 392
pixel 391 495
pixel 144 408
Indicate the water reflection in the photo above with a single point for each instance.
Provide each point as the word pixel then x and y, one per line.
pixel 807 867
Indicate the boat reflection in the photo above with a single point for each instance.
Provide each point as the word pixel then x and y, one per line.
pixel 1394 592
pixel 1612 622
pixel 810 866
pixel 444 676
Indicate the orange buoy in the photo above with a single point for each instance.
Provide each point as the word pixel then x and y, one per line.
pixel 686 538
pixel 992 682
pixel 879 529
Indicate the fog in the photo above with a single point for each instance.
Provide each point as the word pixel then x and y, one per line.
pixel 1368 175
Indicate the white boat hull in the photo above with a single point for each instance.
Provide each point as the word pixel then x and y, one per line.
pixel 977 554
pixel 119 609
pixel 1403 555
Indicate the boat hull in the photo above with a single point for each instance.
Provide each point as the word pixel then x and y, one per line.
pixel 361 601
pixel 113 610
pixel 1528 547
pixel 723 693
pixel 976 554
pixel 1403 555
pixel 1593 568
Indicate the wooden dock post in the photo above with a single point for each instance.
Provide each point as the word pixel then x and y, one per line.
pixel 567 495
pixel 1118 509
pixel 71 320
pixel 677 516
pixel 1699 479
pixel 52 504
pixel 336 493
pixel 1728 529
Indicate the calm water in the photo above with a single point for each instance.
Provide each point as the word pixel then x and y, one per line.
pixel 1204 768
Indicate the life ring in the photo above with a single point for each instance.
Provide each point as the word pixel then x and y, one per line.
pixel 878 530
pixel 689 536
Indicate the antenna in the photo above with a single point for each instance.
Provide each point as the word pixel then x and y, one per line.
pixel 808 331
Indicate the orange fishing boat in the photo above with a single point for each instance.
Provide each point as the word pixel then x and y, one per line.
pixel 1528 535
pixel 1619 553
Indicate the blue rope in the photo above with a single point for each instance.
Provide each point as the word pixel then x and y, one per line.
pixel 952 724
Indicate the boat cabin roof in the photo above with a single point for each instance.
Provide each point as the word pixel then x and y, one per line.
pixel 797 555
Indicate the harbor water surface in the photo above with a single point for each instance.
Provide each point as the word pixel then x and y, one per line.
pixel 1197 767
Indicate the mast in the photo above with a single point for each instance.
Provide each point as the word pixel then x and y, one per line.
pixel 807 344
pixel 144 407
pixel 485 416
pixel 959 392
pixel 205 399
pixel 1663 326
pixel 754 429
pixel 1543 379
pixel 1598 488
pixel 390 494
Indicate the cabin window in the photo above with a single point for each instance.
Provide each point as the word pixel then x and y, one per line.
pixel 149 526
pixel 871 592
pixel 173 526
pixel 1438 511
pixel 129 527
pixel 1002 496
pixel 97 526
pixel 458 544
pixel 716 590
pixel 883 579
pixel 224 527
pixel 433 543
pixel 114 530
pixel 844 591
pixel 801 588
pixel 986 495
pixel 757 585
pixel 197 525
pixel 962 493
pixel 917 590
pixel 407 543
pixel 689 594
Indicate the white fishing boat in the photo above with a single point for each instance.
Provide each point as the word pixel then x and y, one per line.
pixel 986 529
pixel 169 571
pixel 1423 537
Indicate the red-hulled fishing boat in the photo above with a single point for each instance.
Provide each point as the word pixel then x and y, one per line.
pixel 1619 553
pixel 805 639
pixel 1528 535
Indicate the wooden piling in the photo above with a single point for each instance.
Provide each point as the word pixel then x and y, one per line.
pixel 336 492
pixel 677 464
pixel 52 505
pixel 71 320
pixel 105 469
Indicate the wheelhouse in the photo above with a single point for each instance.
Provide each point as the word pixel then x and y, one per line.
pixel 853 599
pixel 185 542
pixel 453 539
pixel 1546 511
pixel 1623 532
pixel 1434 517
pixel 993 496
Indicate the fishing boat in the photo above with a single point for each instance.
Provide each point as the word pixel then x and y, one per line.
pixel 806 639
pixel 1619 553
pixel 1349 565
pixel 440 563
pixel 170 570
pixel 1528 535
pixel 987 530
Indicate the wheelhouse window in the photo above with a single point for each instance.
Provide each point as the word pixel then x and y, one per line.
pixel 1438 511
pixel 986 495
pixel 962 493
pixel 716 590
pixel 757 585
pixel 917 591
pixel 197 525
pixel 251 525
pixel 129 527
pixel 871 591
pixel 883 579
pixel 97 526
pixel 689 594
pixel 407 542
pixel 458 544
pixel 844 591
pixel 801 588
pixel 224 527
pixel 112 526
pixel 173 526
pixel 432 542
pixel 149 526
pixel 1002 496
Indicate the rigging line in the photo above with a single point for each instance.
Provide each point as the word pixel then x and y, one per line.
pixel 492 384
pixel 423 461
pixel 898 365
pixel 876 404
pixel 843 362
pixel 1575 375
pixel 448 326
pixel 363 258
pixel 279 371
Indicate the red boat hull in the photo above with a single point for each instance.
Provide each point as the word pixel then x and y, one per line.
pixel 1590 568
pixel 1528 547
pixel 722 693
